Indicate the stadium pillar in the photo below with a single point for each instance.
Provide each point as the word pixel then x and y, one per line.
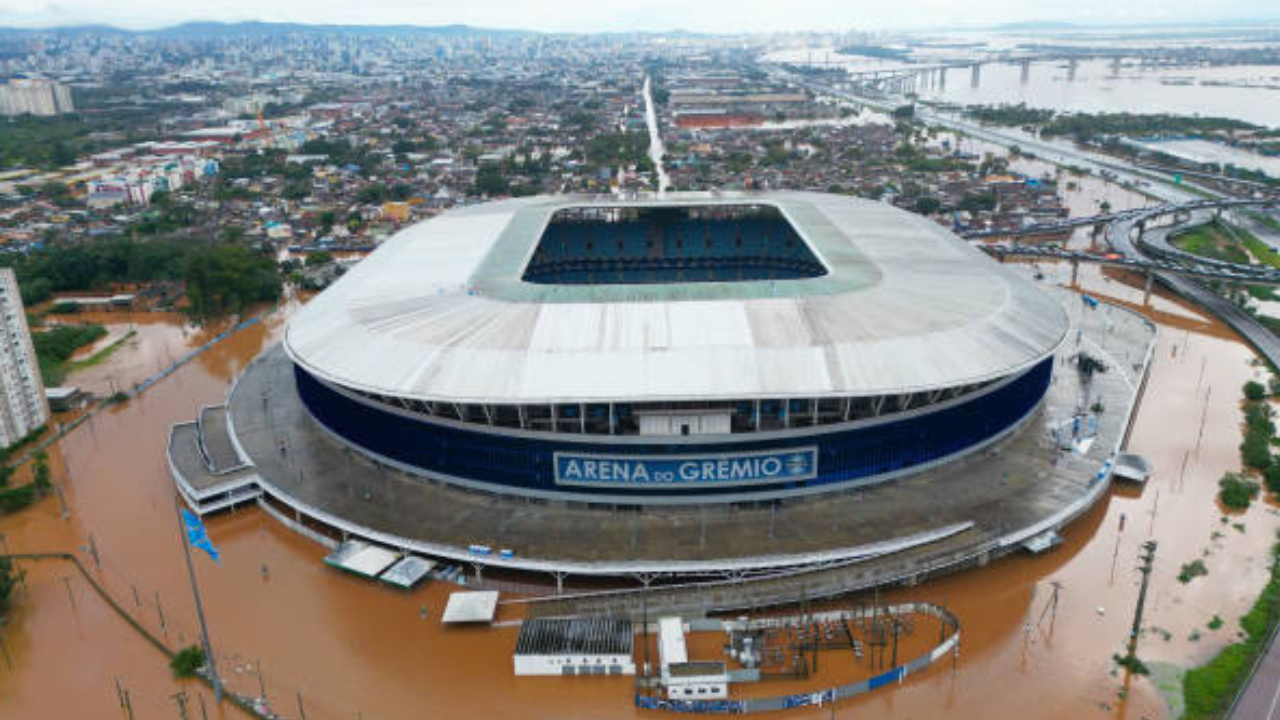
pixel 1146 292
pixel 1075 271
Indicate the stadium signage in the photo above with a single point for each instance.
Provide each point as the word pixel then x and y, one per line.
pixel 665 471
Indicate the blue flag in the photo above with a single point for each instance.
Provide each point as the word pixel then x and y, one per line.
pixel 197 536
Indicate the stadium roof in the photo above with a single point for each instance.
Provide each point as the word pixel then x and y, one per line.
pixel 440 312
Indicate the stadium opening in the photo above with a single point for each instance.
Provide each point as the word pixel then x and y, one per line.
pixel 718 243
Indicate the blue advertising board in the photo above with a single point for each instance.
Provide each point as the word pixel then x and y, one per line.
pixel 665 471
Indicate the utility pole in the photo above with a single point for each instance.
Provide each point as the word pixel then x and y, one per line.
pixel 1148 558
pixel 195 592
pixel 70 595
pixel 122 694
pixel 262 683
pixel 644 632
pixel 1051 606
pixel 897 630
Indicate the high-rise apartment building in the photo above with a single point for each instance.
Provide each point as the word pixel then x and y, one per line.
pixel 37 96
pixel 23 407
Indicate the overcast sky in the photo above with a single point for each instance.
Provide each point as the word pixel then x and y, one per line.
pixel 612 15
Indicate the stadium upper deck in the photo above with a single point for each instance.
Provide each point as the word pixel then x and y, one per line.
pixel 875 302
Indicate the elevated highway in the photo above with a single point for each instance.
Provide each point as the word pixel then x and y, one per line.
pixel 1160 257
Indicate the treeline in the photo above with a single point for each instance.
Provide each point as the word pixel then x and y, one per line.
pixel 1085 126
pixel 220 277
pixel 94 266
pixel 875 51
pixel 1009 115
pixel 620 148
pixel 53 142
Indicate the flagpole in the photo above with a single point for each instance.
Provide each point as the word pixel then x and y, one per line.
pixel 195 592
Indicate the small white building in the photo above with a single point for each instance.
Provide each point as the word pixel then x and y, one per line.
pixel 698 680
pixel 575 646
pixel 685 680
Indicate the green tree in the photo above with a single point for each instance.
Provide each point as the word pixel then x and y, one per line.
pixel 1256 450
pixel 296 190
pixel 491 181
pixel 928 205
pixel 187 661
pixel 223 279
pixel 373 194
pixel 1236 491
pixel 9 577
pixel 316 259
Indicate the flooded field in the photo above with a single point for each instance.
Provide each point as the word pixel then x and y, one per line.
pixel 286 626
pixel 149 342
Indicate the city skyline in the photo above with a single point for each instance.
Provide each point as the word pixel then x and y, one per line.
pixel 579 16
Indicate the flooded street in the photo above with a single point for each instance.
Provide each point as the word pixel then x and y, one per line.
pixel 656 148
pixel 284 623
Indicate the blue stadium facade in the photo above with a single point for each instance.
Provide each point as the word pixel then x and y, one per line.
pixel 542 464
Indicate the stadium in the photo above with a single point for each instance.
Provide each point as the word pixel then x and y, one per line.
pixel 687 385
pixel 684 349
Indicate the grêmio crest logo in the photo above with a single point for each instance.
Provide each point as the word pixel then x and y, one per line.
pixel 665 471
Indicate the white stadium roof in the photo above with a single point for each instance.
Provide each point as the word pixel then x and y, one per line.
pixel 439 312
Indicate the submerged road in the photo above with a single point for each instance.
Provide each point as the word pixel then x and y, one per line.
pixel 656 148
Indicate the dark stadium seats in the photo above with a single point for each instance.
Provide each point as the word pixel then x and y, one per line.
pixel 666 250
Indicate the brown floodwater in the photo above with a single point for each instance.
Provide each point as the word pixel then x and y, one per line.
pixel 152 342
pixel 284 622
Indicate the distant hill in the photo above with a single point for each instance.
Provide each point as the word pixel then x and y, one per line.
pixel 1037 25
pixel 195 30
